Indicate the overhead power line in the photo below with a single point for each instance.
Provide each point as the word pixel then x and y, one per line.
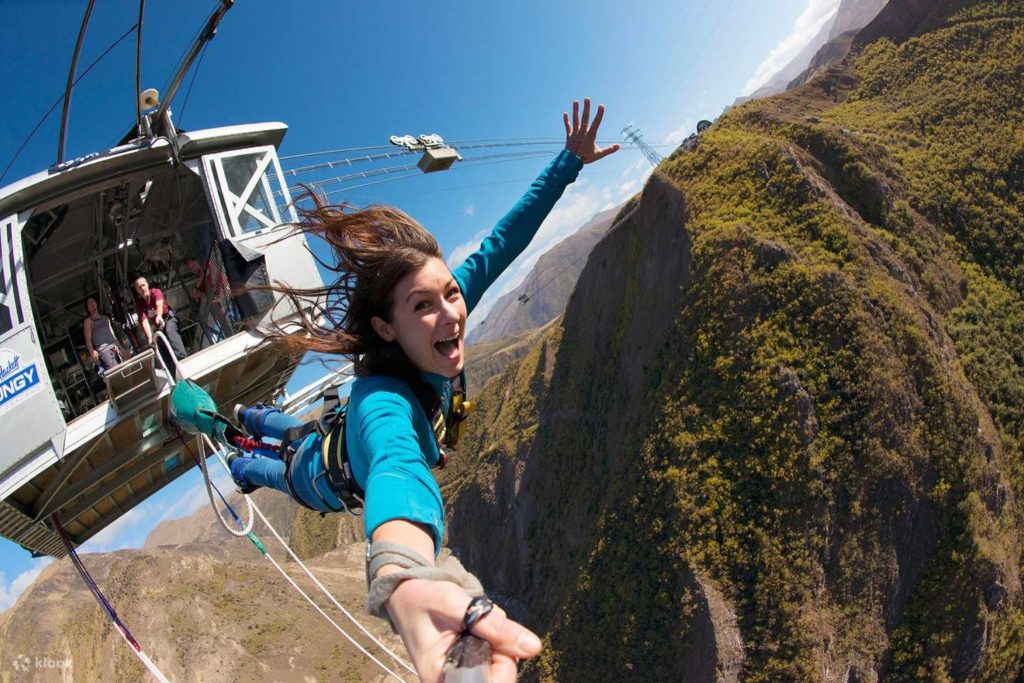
pixel 633 134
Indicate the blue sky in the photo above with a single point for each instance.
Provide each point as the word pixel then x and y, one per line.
pixel 345 75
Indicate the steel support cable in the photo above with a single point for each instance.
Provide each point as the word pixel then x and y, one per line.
pixel 247 532
pixel 465 164
pixel 418 174
pixel 457 146
pixel 205 34
pixel 345 150
pixel 115 621
pixel 348 161
pixel 61 137
pixel 477 142
pixel 362 175
pixel 188 91
pixel 61 99
pixel 138 65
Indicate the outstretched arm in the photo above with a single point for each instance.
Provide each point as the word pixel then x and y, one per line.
pixel 516 229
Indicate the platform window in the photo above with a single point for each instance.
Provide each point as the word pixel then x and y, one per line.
pixel 250 193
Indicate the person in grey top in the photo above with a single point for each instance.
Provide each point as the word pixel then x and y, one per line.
pixel 99 336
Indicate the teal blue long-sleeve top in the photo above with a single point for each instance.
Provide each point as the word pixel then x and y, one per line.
pixel 390 443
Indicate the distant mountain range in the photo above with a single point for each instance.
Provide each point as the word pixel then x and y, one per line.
pixel 850 16
pixel 542 295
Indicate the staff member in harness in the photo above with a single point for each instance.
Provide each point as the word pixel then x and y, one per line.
pixel 156 316
pixel 400 314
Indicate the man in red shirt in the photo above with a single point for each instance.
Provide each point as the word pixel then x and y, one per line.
pixel 156 316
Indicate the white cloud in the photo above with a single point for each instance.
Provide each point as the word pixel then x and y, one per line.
pixel 122 533
pixel 806 27
pixel 627 187
pixel 469 211
pixel 459 253
pixel 131 529
pixel 9 593
pixel 679 134
pixel 635 167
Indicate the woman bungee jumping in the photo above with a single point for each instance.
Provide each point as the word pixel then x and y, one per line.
pixel 399 313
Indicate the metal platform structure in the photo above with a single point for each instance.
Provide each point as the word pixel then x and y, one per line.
pixel 91 447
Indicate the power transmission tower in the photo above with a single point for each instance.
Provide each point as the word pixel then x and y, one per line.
pixel 632 134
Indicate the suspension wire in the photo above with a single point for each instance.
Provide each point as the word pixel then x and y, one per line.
pixel 419 174
pixel 115 621
pixel 468 163
pixel 195 72
pixel 348 161
pixel 454 145
pixel 345 150
pixel 138 65
pixel 61 99
pixel 62 136
pixel 408 167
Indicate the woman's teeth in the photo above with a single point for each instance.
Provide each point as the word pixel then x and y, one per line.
pixel 448 346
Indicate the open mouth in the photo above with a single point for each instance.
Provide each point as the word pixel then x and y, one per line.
pixel 449 346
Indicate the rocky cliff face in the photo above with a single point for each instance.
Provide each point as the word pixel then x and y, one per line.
pixel 778 433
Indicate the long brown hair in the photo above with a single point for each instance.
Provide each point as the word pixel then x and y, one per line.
pixel 373 248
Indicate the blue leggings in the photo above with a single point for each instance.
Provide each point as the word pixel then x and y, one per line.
pixel 308 480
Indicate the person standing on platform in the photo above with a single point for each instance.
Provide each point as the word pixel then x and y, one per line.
pixel 100 340
pixel 156 316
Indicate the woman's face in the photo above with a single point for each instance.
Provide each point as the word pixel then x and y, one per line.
pixel 90 306
pixel 428 319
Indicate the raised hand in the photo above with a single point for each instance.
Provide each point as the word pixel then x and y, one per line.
pixel 581 135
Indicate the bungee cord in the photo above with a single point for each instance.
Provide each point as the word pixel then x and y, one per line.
pixel 246 532
pixel 115 621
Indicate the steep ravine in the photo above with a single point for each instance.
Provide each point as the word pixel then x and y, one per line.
pixel 777 434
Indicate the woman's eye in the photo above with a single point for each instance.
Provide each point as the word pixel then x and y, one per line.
pixel 421 305
pixel 454 292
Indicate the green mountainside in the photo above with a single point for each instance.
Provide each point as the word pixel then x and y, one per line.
pixel 779 432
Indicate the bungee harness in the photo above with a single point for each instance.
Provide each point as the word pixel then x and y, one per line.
pixel 330 426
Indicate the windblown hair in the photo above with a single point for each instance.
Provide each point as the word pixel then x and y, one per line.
pixel 374 248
